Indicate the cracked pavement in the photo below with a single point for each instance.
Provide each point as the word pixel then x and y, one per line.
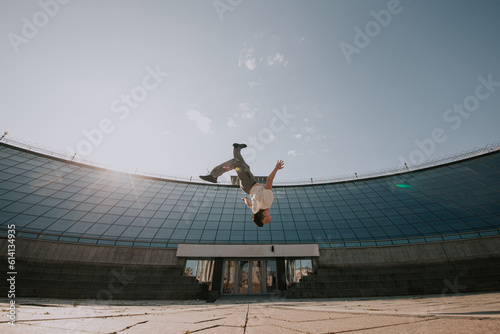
pixel 464 313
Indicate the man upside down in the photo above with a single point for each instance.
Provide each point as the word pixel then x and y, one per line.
pixel 261 195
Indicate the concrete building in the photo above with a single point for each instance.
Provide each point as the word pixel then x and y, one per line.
pixel 87 232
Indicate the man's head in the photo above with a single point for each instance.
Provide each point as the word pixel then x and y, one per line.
pixel 262 217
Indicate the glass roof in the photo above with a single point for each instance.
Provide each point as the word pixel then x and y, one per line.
pixel 57 200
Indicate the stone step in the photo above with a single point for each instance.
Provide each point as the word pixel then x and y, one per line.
pixel 99 271
pixel 103 297
pixel 108 284
pixel 105 277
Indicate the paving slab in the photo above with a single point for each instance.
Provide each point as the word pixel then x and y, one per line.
pixel 464 313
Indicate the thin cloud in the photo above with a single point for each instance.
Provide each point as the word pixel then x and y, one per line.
pixel 294 153
pixel 247 59
pixel 276 58
pixel 202 122
pixel 231 123
pixel 248 114
pixel 305 133
pixel 252 84
pixel 247 110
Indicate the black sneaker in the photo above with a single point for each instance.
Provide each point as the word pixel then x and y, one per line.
pixel 208 178
pixel 235 145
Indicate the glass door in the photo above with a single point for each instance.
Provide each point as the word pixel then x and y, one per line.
pixel 256 276
pixel 229 274
pixel 243 277
pixel 249 276
pixel 271 277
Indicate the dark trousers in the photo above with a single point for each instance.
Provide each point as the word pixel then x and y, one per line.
pixel 247 180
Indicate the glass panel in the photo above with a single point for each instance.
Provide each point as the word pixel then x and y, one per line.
pixel 229 277
pixel 201 269
pixel 305 268
pixel 205 271
pixel 243 277
pixel 296 269
pixel 290 270
pixel 190 269
pixel 271 277
pixel 256 277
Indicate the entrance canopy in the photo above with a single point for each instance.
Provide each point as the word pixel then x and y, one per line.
pixel 266 250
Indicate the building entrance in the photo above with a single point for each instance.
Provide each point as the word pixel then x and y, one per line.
pixel 249 276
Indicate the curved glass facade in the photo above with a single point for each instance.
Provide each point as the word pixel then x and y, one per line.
pixel 58 200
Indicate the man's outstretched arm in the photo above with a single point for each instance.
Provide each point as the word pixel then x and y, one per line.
pixel 269 184
pixel 247 202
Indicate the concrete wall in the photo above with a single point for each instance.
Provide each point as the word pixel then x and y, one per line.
pixel 408 254
pixel 103 273
pixel 41 250
pixel 241 251
pixel 439 268
pixel 100 273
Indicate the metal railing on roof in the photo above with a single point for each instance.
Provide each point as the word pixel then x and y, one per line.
pixel 398 170
pixel 143 242
pixel 477 151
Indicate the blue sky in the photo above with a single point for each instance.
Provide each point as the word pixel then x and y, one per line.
pixel 330 87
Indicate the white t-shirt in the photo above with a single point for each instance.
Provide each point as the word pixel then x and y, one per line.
pixel 261 198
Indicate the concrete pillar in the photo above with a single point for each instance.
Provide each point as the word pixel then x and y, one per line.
pixel 281 273
pixel 217 277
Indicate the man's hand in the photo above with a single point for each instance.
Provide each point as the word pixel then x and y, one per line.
pixel 247 202
pixel 269 184
pixel 280 164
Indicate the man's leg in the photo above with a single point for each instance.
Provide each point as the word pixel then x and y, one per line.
pixel 246 177
pixel 247 180
pixel 237 163
pixel 223 167
pixel 237 152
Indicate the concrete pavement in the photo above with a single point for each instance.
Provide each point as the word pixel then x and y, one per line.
pixel 464 313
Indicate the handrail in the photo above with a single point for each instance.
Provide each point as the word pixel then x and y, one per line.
pixel 323 180
pixel 327 244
